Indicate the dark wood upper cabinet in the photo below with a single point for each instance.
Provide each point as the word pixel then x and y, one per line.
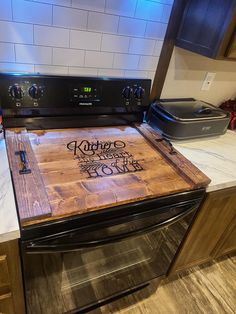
pixel 208 28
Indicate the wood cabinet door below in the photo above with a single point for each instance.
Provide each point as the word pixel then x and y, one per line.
pixel 11 287
pixel 6 304
pixel 228 242
pixel 213 217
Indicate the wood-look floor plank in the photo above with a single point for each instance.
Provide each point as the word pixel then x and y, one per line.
pixel 206 289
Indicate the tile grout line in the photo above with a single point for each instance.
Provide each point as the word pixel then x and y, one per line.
pixel 99 12
pixel 12 10
pixel 52 56
pixel 52 16
pixel 87 30
pixel 33 35
pixel 84 58
pixel 82 49
pixel 136 8
pixel 74 66
pixel 14 46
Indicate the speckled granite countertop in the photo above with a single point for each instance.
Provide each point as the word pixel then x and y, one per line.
pixel 9 227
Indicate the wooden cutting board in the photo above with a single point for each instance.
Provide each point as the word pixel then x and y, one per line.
pixel 74 171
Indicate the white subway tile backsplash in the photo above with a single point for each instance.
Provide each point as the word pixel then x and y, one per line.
pixel 155 30
pixel 151 75
pixel 90 5
pixel 83 71
pixel 148 63
pixel 33 54
pixel 166 13
pixel 68 57
pixel 98 59
pixel 5 10
pixel 158 47
pixel 16 32
pixel 66 3
pixel 121 7
pixel 85 40
pixel 16 67
pixel 100 22
pixel 136 74
pixel 142 46
pixel 111 72
pixel 51 36
pixel 131 27
pixel 114 43
pixel 25 11
pixel 50 69
pixel 83 37
pixel 126 61
pixel 7 53
pixel 69 18
pixel 166 1
pixel 149 10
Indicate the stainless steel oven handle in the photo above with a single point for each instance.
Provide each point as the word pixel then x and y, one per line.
pixel 34 247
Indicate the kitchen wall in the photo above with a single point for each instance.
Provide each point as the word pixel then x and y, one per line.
pixel 83 37
pixel 187 72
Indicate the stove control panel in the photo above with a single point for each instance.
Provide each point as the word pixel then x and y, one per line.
pixel 42 95
pixel 85 94
pixel 23 93
pixel 136 92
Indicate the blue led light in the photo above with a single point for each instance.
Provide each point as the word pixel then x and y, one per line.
pixel 15 73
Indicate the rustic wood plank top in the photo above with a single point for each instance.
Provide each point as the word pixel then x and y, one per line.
pixel 88 169
pixel 182 165
pixel 31 196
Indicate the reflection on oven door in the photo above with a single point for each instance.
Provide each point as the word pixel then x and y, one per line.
pixel 61 282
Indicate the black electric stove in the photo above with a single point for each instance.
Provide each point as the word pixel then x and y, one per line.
pixel 78 263
pixel 39 101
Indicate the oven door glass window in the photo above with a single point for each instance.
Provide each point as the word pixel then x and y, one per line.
pixel 75 270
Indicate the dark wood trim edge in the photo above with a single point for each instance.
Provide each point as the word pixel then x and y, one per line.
pixel 167 49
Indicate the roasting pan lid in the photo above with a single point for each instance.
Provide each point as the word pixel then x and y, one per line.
pixel 189 109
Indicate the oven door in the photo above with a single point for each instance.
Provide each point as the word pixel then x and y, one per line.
pixel 74 270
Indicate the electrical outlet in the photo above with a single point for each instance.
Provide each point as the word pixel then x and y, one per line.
pixel 206 85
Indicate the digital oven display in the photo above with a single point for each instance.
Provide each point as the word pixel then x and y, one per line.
pixel 86 89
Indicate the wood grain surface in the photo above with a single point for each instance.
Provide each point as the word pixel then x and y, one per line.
pixel 11 286
pixel 205 289
pixel 214 220
pixel 31 196
pixel 182 165
pixel 88 169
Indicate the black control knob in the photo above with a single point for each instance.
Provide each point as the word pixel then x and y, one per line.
pixel 127 92
pixel 139 93
pixel 35 91
pixel 16 91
